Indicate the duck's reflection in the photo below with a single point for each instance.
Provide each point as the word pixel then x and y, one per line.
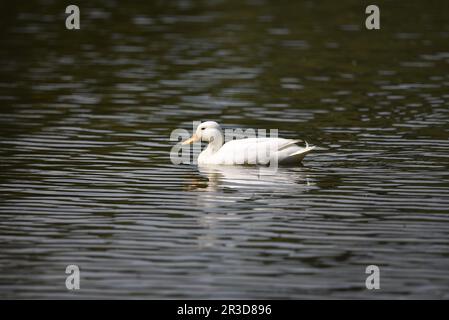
pixel 253 178
pixel 231 194
pixel 230 184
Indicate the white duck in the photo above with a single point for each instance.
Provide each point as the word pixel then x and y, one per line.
pixel 255 151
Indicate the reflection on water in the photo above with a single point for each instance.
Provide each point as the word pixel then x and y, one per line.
pixel 86 178
pixel 238 184
pixel 253 178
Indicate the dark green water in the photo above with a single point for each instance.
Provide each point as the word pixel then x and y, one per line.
pixel 86 178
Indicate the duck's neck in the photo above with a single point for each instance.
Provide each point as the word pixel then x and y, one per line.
pixel 215 144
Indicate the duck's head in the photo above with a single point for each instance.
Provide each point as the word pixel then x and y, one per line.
pixel 208 131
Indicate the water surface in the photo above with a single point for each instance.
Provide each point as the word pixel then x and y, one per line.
pixel 86 177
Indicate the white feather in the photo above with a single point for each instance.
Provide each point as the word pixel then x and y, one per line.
pixel 250 151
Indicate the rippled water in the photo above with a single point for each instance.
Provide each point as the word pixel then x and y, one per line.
pixel 86 178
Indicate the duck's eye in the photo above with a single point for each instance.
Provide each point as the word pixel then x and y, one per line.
pixel 203 128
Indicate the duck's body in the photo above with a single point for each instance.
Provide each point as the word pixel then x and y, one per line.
pixel 250 151
pixel 261 151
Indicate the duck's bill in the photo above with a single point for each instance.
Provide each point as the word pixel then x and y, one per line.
pixel 192 139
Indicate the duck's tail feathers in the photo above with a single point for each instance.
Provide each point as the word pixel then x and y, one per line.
pixel 299 155
pixel 290 143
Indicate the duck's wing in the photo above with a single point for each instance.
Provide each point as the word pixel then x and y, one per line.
pixel 262 151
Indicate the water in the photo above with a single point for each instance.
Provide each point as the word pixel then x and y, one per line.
pixel 86 177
